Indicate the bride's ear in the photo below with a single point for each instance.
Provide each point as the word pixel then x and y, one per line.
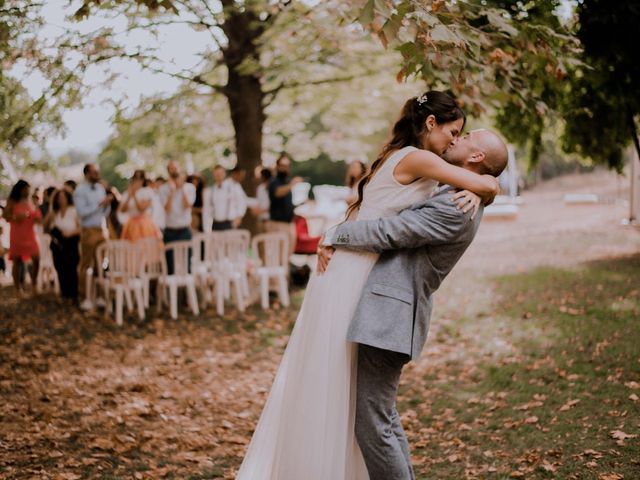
pixel 430 122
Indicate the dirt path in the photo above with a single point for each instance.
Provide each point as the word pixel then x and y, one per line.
pixel 166 399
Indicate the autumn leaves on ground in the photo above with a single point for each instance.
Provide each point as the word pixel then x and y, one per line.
pixel 532 368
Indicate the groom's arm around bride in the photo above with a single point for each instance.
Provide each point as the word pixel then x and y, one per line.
pixel 418 247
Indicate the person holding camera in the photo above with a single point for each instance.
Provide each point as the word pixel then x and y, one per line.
pixel 281 201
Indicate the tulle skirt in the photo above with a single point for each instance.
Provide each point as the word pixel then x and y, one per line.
pixel 140 226
pixel 306 431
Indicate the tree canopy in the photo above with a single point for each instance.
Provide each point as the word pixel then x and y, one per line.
pixel 604 100
pixel 26 117
pixel 306 77
pixel 505 58
pixel 489 55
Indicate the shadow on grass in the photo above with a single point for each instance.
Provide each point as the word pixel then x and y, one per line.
pixel 561 402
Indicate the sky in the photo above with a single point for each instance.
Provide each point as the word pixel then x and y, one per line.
pixel 90 126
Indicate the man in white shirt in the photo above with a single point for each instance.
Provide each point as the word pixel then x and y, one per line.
pixel 177 197
pixel 238 196
pixel 225 202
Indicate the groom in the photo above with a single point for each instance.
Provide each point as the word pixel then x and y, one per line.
pixel 418 247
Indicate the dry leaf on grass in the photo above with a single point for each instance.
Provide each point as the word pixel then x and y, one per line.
pixel 621 436
pixel 570 404
pixel 611 476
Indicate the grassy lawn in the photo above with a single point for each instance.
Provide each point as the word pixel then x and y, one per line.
pixel 533 376
pixel 562 403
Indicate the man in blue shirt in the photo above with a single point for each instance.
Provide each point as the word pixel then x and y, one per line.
pixel 93 205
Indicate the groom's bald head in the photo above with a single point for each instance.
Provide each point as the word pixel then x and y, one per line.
pixel 481 151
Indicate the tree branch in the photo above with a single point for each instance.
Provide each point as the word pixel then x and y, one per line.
pixel 213 25
pixel 322 81
pixel 197 79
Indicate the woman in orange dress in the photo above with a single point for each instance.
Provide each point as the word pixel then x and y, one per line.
pixel 24 250
pixel 137 204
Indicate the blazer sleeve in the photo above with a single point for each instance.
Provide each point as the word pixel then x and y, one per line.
pixel 436 222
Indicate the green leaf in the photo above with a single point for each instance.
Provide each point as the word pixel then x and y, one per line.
pixel 441 33
pixel 498 21
pixel 367 14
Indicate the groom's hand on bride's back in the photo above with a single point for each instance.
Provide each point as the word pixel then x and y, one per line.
pixel 324 257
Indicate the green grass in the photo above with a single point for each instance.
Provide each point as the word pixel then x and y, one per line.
pixel 576 336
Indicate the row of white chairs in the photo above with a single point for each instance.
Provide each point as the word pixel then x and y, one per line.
pixel 219 265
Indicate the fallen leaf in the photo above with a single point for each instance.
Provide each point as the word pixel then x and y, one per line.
pixel 621 436
pixel 548 467
pixel 569 405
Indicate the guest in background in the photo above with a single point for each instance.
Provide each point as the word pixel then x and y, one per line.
pixel 157 209
pixel 196 212
pixel 281 200
pixel 238 196
pixel 114 225
pixel 93 205
pixel 46 202
pixel 261 206
pixel 158 182
pixel 70 186
pixel 22 215
pixel 177 197
pixel 355 172
pixel 218 201
pixel 63 224
pixel 36 196
pixel 137 203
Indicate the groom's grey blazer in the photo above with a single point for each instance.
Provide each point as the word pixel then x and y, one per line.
pixel 418 247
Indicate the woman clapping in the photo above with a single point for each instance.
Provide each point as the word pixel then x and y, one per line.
pixel 137 203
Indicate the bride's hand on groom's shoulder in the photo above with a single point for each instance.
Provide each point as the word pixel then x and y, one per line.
pixel 324 257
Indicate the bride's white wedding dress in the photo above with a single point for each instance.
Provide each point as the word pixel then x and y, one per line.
pixel 306 430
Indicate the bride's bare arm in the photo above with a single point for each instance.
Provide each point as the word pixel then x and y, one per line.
pixel 425 164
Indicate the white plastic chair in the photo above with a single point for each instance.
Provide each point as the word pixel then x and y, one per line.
pixel 123 262
pixel 274 248
pixel 181 277
pixel 47 275
pixel 210 268
pixel 152 251
pixel 236 249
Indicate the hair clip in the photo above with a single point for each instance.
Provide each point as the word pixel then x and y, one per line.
pixel 422 99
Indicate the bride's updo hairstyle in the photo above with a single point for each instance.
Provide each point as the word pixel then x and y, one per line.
pixel 409 129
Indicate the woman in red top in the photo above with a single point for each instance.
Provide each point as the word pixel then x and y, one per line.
pixel 22 216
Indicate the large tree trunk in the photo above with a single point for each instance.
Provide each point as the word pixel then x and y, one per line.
pixel 245 95
pixel 244 92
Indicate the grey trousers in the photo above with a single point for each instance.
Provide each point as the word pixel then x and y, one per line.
pixel 378 429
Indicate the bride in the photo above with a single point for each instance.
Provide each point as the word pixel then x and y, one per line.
pixel 306 430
